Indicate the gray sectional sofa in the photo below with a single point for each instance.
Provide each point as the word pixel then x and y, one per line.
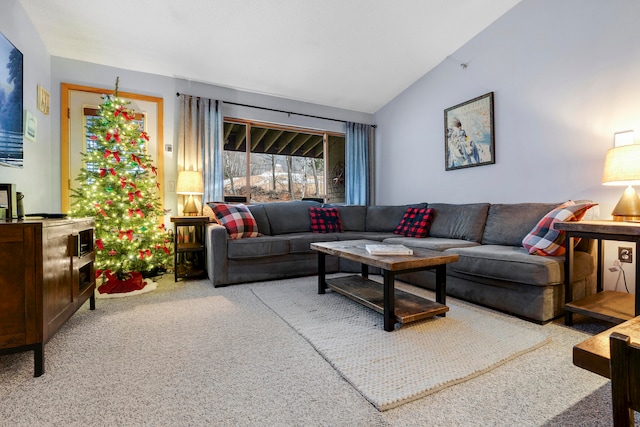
pixel 493 270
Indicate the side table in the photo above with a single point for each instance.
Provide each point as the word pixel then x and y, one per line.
pixel 611 306
pixel 189 252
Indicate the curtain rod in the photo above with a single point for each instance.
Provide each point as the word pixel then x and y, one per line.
pixel 281 111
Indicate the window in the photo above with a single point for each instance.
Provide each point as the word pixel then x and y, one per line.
pixel 266 162
pixel 90 116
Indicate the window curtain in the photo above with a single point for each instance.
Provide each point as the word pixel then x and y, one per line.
pixel 200 142
pixel 358 164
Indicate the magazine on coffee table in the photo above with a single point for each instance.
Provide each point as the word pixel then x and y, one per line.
pixel 388 250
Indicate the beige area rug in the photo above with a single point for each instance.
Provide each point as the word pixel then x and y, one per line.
pixel 417 359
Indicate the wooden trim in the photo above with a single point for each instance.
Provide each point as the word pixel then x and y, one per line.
pixel 247 173
pixel 94 112
pixel 282 127
pixel 65 179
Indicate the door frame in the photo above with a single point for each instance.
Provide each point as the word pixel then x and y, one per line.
pixel 65 180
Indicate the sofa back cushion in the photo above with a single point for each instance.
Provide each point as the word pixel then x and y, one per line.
pixel 289 217
pixel 454 221
pixel 386 218
pixel 352 217
pixel 507 224
pixel 260 215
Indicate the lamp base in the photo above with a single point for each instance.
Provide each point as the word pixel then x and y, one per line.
pixel 190 208
pixel 628 207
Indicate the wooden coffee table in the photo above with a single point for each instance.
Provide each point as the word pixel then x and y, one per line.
pixel 395 305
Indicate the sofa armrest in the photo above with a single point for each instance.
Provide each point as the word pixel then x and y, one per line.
pixel 216 244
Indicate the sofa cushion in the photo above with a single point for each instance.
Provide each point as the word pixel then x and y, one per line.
pixel 514 264
pixel 237 219
pixel 259 247
pixel 260 215
pixel 325 220
pixel 415 222
pixel 300 243
pixel 507 224
pixel 386 218
pixel 289 217
pixel 453 221
pixel 433 243
pixel 352 217
pixel 544 239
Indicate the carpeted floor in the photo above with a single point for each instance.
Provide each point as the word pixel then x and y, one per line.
pixel 190 354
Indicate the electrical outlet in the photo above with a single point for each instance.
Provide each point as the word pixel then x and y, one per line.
pixel 625 254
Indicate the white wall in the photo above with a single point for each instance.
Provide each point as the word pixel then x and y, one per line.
pixel 565 76
pixel 34 179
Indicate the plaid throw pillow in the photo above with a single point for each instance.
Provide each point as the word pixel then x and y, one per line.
pixel 544 239
pixel 416 222
pixel 325 220
pixel 237 219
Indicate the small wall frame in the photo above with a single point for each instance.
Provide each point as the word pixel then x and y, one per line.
pixel 43 100
pixel 30 126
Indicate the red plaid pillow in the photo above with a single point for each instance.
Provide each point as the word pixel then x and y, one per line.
pixel 416 222
pixel 325 220
pixel 237 219
pixel 544 239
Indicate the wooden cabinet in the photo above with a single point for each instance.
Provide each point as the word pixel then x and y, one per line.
pixel 46 274
pixel 189 250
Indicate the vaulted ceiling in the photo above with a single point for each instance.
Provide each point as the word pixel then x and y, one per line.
pixel 352 54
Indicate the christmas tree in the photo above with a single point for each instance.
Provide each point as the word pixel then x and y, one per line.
pixel 119 188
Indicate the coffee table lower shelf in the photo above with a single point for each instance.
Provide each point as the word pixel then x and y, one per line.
pixel 408 307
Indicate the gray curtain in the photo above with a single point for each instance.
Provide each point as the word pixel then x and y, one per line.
pixel 200 142
pixel 358 164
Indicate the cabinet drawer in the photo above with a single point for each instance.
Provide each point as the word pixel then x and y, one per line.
pixel 9 235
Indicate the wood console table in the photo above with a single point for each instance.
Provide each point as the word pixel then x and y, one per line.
pixel 611 306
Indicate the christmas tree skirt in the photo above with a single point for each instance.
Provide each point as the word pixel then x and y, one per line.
pixel 123 288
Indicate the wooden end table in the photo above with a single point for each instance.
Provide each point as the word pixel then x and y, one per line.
pixel 192 246
pixel 611 306
pixel 395 305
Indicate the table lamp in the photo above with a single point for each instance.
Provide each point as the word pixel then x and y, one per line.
pixel 622 167
pixel 190 183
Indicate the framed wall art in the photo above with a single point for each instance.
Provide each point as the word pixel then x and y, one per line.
pixel 43 100
pixel 469 133
pixel 11 116
pixel 30 126
pixel 8 200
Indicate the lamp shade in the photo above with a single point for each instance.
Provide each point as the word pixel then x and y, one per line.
pixel 622 166
pixel 190 182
